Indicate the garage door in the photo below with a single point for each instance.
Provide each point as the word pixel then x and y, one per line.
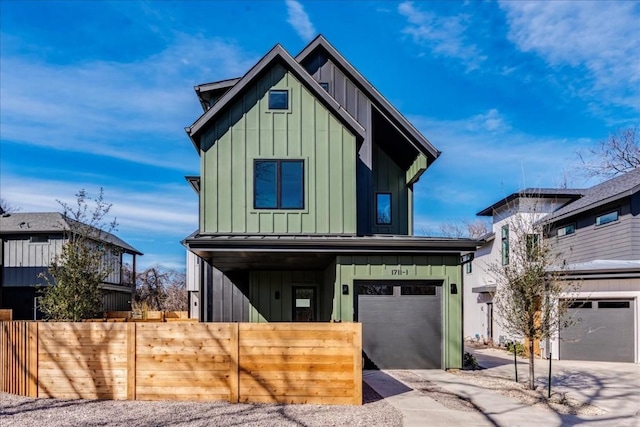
pixel 604 331
pixel 401 323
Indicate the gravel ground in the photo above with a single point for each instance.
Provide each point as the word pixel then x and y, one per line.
pixel 23 411
pixel 558 402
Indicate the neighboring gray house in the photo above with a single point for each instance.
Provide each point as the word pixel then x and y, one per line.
pixel 598 232
pixel 30 241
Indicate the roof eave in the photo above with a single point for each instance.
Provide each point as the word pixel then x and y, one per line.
pixel 419 141
pixel 594 205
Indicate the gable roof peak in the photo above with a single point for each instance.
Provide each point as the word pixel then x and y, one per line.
pixel 277 53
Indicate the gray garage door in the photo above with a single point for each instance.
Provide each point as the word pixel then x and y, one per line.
pixel 604 331
pixel 401 323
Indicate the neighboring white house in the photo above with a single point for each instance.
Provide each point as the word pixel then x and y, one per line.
pixel 597 232
pixel 522 208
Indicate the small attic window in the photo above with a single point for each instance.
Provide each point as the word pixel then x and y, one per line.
pixel 279 99
pixel 325 86
pixel 39 239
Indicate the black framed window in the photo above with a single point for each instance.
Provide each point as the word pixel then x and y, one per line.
pixel 383 208
pixel 39 239
pixel 279 99
pixel 566 230
pixel 580 304
pixel 614 304
pixel 278 184
pixel 607 218
pixel 324 85
pixel 505 245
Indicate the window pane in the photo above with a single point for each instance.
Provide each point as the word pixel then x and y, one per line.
pixel 505 245
pixel 325 86
pixel 607 218
pixel 374 289
pixel 265 192
pixel 613 304
pixel 383 208
pixel 292 189
pixel 417 290
pixel 278 99
pixel 580 304
pixel 566 230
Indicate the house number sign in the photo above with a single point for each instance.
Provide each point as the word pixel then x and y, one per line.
pixel 395 271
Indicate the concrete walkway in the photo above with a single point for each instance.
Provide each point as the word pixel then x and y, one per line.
pixel 614 387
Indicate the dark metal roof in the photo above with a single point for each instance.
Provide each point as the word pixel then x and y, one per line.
pixel 241 252
pixel 543 193
pixel 221 84
pixel 484 289
pixel 421 143
pixel 334 243
pixel 50 222
pixel 609 191
pixel 276 55
pixel 194 182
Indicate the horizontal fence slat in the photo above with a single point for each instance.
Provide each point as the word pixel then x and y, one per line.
pixel 279 362
pixel 295 351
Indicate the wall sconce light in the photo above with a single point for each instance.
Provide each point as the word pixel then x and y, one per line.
pixel 345 289
pixel 277 295
pixel 454 289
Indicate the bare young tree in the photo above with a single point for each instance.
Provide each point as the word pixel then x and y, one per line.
pixel 75 276
pixel 6 207
pixel 471 229
pixel 161 289
pixel 617 154
pixel 532 293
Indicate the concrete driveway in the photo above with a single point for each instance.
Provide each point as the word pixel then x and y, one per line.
pixel 614 387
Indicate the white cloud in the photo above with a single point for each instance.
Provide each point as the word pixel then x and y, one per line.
pixel 443 35
pixel 603 37
pixel 152 217
pixel 299 20
pixel 129 110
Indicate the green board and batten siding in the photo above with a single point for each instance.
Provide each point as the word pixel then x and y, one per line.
pixel 347 269
pixel 423 267
pixel 249 131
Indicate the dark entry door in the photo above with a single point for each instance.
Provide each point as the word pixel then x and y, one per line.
pixel 304 304
pixel 401 323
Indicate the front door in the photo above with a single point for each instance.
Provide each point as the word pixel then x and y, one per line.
pixel 304 303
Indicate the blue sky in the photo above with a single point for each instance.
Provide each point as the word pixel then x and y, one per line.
pixel 97 94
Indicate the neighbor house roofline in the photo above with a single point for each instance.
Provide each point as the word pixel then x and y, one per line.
pixel 540 193
pixel 28 223
pixel 221 84
pixel 419 141
pixel 278 53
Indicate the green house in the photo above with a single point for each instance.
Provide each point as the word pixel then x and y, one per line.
pixel 306 211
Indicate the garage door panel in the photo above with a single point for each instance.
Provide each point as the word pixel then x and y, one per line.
pixel 603 332
pixel 402 331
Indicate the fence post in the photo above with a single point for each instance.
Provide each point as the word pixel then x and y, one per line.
pixel 234 374
pixel 32 369
pixel 131 360
pixel 357 363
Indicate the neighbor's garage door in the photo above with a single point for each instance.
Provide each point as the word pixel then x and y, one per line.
pixel 603 331
pixel 401 323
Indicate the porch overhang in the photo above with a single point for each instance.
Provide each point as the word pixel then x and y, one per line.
pixel 234 252
pixel 489 289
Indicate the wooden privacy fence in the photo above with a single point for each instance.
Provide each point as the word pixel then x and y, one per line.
pixel 239 362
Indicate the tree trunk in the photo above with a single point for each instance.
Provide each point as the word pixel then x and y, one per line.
pixel 531 366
